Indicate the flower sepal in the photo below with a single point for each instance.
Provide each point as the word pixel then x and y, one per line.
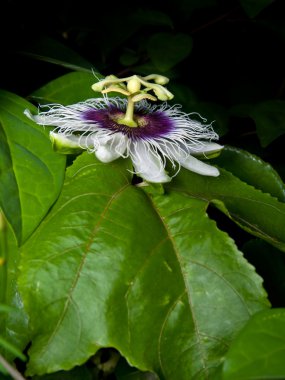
pixel 65 144
pixel 211 150
pixel 209 156
pixel 152 188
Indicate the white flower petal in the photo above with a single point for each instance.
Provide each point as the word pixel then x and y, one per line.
pixel 69 144
pixel 197 166
pixel 205 147
pixel 148 163
pixel 43 119
pixel 112 148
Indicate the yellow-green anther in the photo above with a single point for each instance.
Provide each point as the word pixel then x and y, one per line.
pixel 111 77
pixel 134 84
pixel 137 98
pixel 162 93
pixel 115 89
pixel 158 79
pixel 98 87
pixel 109 80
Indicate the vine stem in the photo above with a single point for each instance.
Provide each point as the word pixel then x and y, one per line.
pixel 11 370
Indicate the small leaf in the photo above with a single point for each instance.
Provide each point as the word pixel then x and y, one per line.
pixel 67 89
pixel 166 50
pixel 259 350
pixel 50 50
pixel 254 7
pixel 252 170
pixel 31 174
pixel 129 58
pixel 269 119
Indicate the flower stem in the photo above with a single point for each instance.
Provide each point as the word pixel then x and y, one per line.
pixel 11 370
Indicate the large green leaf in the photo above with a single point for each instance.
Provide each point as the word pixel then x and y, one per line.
pixel 252 170
pixel 259 350
pixel 152 276
pixel 14 333
pixel 256 212
pixel 70 88
pixel 31 174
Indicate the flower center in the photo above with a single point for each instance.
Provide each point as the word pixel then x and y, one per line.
pixel 149 125
pixel 136 89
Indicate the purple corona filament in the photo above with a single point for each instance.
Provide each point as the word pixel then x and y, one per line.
pixel 150 125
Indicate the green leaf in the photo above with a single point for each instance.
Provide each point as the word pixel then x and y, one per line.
pixel 14 333
pixel 254 7
pixel 153 277
pixel 68 89
pixel 129 57
pixel 183 95
pixel 50 50
pixel 259 350
pixel 11 349
pixel 252 170
pixel 269 119
pixel 166 50
pixel 256 212
pixel 31 174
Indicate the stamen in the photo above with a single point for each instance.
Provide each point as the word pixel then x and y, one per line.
pixel 132 89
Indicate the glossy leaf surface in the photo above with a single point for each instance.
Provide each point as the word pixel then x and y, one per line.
pixel 51 50
pixel 112 266
pixel 259 350
pixel 252 170
pixel 14 334
pixel 256 212
pixel 67 89
pixel 31 174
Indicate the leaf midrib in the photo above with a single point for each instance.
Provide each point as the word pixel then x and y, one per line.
pixel 77 276
pixel 202 354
